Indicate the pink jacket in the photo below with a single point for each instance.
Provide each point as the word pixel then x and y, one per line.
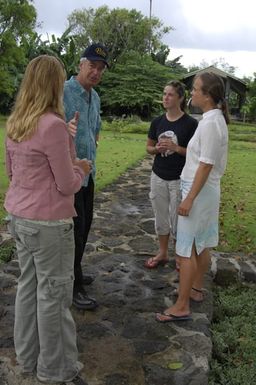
pixel 43 179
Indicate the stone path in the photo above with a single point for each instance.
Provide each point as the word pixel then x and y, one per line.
pixel 121 343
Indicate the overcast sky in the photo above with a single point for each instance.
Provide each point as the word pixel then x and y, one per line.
pixel 204 30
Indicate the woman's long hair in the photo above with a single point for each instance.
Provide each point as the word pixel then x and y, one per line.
pixel 213 85
pixel 41 91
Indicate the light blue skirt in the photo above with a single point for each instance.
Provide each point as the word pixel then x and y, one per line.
pixel 201 226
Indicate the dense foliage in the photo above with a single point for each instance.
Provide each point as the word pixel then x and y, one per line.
pixel 134 86
pixel 234 336
pixel 17 22
pixel 139 59
pixel 139 66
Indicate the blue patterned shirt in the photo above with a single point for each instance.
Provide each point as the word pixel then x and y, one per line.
pixel 76 98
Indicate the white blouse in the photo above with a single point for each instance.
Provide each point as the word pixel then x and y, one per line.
pixel 208 145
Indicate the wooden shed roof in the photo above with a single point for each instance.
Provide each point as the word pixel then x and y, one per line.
pixel 238 85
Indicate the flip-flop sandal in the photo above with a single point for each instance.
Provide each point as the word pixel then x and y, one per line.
pixel 163 317
pixel 152 263
pixel 176 293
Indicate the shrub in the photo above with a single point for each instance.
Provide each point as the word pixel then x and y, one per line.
pixel 234 336
pixel 126 125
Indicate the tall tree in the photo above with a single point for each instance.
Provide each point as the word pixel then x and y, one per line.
pixel 134 86
pixel 161 54
pixel 17 22
pixel 120 29
pixel 176 67
pixel 63 47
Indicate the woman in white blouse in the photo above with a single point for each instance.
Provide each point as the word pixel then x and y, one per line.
pixel 200 180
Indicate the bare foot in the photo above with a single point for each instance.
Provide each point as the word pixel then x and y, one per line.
pixel 159 259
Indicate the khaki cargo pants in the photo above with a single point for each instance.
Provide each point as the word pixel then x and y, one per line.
pixel 44 330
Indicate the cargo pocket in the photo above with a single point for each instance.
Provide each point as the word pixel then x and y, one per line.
pixel 152 195
pixel 10 226
pixel 29 236
pixel 67 229
pixel 61 289
pixel 67 247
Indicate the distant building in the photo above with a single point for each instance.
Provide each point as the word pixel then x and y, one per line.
pixel 234 88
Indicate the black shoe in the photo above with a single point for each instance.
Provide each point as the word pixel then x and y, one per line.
pixel 87 279
pixel 78 381
pixel 82 301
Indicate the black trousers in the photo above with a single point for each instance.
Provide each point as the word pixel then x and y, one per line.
pixel 82 224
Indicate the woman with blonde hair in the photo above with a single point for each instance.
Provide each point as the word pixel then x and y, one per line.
pixel 197 229
pixel 44 175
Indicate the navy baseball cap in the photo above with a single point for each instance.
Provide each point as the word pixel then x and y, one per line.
pixel 96 52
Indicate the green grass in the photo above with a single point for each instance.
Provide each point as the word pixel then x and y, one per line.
pixel 238 202
pixel 233 327
pixel 242 133
pixel 234 336
pixel 7 250
pixel 116 153
pixel 119 150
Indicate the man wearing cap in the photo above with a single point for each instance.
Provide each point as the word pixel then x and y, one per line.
pixel 82 109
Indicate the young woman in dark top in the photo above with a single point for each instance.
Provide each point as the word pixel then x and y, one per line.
pixel 168 138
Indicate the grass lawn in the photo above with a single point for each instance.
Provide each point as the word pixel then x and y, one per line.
pixel 119 151
pixel 233 328
pixel 116 153
pixel 238 200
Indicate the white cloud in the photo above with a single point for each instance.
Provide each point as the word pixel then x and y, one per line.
pixel 244 61
pixel 204 29
pixel 219 16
